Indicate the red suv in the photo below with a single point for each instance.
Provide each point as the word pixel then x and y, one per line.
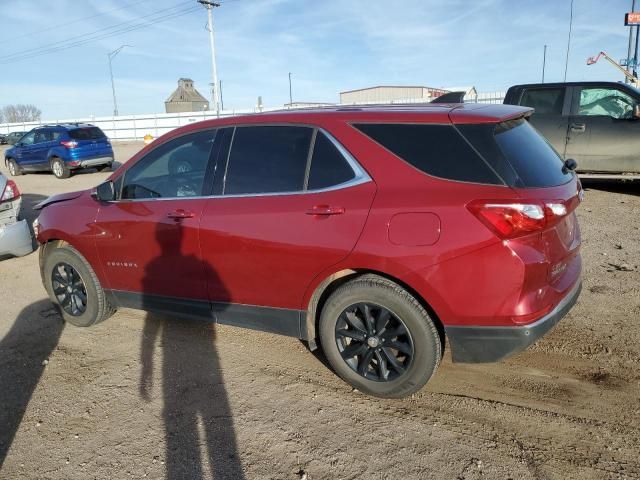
pixel 380 231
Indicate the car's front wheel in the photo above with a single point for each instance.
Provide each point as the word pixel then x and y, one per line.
pixel 379 338
pixel 14 169
pixel 59 169
pixel 73 285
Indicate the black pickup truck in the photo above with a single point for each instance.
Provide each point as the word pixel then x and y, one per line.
pixel 595 123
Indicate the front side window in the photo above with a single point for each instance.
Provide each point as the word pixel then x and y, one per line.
pixel 606 102
pixel 28 138
pixel 172 170
pixel 267 159
pixel 544 100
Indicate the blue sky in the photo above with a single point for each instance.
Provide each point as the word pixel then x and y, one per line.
pixel 329 46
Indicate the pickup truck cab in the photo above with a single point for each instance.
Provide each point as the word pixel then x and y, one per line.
pixel 595 123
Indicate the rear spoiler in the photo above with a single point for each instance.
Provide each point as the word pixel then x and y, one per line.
pixel 487 113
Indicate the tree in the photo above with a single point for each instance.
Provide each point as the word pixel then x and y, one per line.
pixel 20 113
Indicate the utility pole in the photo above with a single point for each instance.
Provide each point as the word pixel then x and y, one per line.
pixel 290 95
pixel 215 98
pixel 544 61
pixel 111 56
pixel 566 63
pixel 221 100
pixel 629 68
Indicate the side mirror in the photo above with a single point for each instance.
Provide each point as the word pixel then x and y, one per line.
pixel 636 111
pixel 105 192
pixel 569 165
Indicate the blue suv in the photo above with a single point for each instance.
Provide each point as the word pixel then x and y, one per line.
pixel 60 149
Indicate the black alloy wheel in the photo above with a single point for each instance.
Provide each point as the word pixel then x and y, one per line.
pixel 69 289
pixel 374 342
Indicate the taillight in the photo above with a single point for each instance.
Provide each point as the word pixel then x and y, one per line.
pixel 69 143
pixel 11 192
pixel 515 219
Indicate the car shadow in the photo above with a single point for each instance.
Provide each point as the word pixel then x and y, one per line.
pixel 626 187
pixel 199 431
pixel 24 353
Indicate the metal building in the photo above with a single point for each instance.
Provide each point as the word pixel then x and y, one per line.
pixel 391 94
pixel 186 98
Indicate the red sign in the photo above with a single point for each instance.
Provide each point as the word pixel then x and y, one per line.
pixel 632 18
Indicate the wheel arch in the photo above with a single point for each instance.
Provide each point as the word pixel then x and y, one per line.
pixel 327 286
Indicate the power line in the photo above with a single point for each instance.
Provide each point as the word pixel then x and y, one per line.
pixel 75 38
pixel 59 25
pixel 93 36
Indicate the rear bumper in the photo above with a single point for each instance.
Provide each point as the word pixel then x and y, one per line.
pixel 15 239
pixel 490 344
pixel 90 162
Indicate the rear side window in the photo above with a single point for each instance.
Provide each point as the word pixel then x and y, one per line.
pixel 437 150
pixel 520 155
pixel 88 133
pixel 328 166
pixel 267 159
pixel 546 101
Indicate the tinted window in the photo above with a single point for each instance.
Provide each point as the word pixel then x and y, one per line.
pixel 520 155
pixel 28 138
pixel 175 169
pixel 438 150
pixel 606 101
pixel 43 136
pixel 88 133
pixel 267 159
pixel 544 100
pixel 328 166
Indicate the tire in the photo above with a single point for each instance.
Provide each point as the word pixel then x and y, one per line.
pixel 59 169
pixel 58 264
pixel 14 169
pixel 106 166
pixel 408 326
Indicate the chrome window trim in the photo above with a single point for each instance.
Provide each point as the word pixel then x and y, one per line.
pixel 361 176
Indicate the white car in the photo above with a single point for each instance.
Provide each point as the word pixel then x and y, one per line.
pixel 15 236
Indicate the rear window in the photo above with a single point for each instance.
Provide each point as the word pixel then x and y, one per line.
pixel 518 153
pixel 88 133
pixel 437 150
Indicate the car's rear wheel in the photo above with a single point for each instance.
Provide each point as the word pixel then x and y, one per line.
pixel 14 169
pixel 59 169
pixel 379 338
pixel 72 285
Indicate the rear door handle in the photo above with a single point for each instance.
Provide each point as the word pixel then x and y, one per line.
pixel 578 127
pixel 325 210
pixel 180 214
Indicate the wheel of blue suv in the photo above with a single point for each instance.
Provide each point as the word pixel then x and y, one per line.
pixel 14 169
pixel 73 286
pixel 379 338
pixel 59 169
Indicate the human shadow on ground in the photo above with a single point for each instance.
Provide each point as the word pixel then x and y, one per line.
pixel 24 353
pixel 199 430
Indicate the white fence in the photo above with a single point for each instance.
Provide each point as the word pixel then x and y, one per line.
pixel 130 127
pixel 135 127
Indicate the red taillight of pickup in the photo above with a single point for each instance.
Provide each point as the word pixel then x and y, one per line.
pixel 69 143
pixel 10 192
pixel 515 219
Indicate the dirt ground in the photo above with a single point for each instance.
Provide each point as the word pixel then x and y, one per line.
pixel 145 397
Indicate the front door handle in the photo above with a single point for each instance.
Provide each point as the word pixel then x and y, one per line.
pixel 578 127
pixel 324 210
pixel 180 214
